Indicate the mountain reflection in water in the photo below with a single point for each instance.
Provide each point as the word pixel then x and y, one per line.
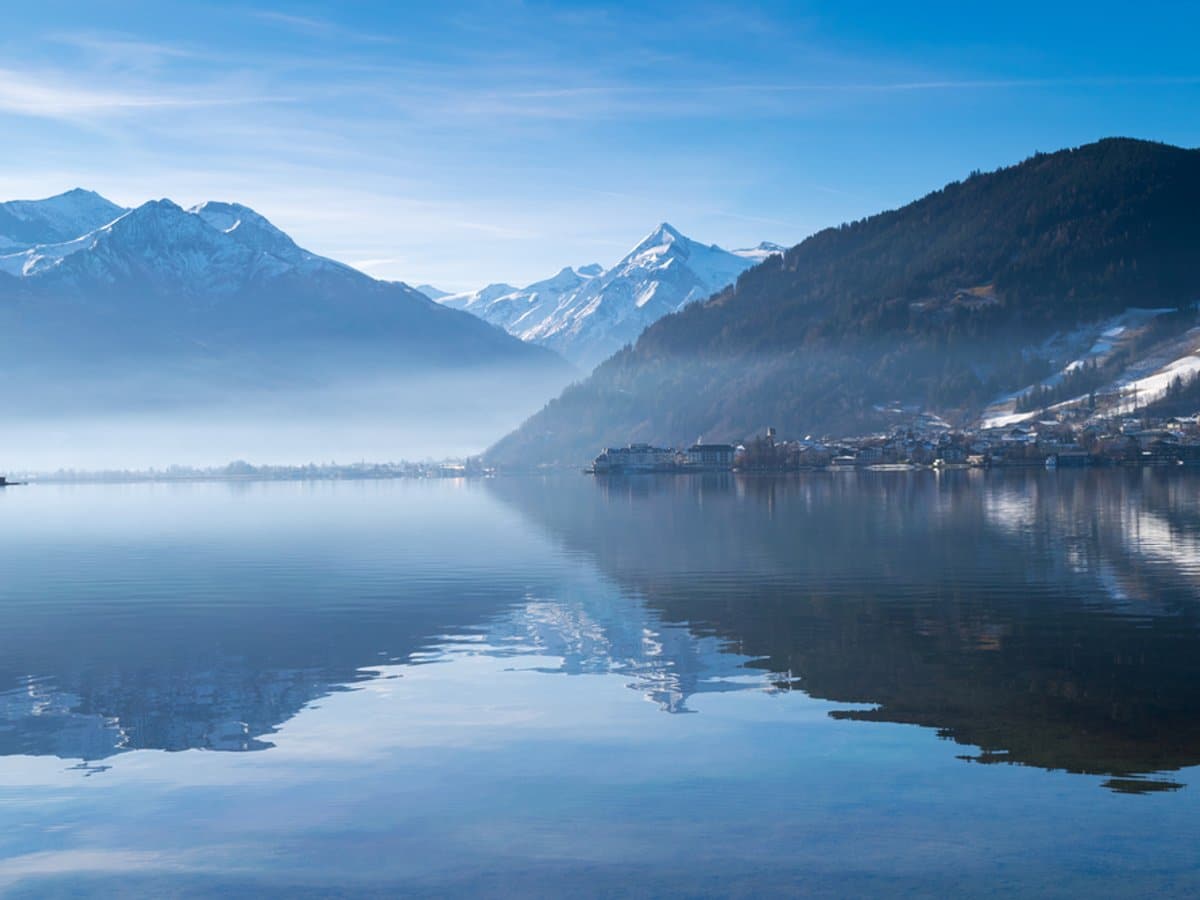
pixel 204 616
pixel 1045 619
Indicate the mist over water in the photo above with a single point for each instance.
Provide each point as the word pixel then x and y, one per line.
pixel 126 425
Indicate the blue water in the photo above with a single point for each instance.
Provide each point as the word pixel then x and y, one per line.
pixel 903 683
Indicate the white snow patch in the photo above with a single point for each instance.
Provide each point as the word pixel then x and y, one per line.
pixel 1101 339
pixel 39 259
pixel 1003 421
pixel 1152 387
pixel 761 252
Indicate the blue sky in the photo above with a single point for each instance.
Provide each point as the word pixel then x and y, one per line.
pixel 461 143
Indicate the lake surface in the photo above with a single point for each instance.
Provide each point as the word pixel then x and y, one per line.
pixel 831 684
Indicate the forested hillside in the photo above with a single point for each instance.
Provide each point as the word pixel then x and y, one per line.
pixel 941 303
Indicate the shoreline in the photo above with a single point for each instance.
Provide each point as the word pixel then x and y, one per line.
pixel 839 471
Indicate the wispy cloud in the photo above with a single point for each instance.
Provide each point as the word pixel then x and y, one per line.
pixel 325 28
pixel 367 265
pixel 125 50
pixel 949 84
pixel 440 96
pixel 616 98
pixel 49 97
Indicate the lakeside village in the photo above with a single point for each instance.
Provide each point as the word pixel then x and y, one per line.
pixel 929 442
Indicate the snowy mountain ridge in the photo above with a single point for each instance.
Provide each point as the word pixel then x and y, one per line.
pixel 761 251
pixel 589 312
pixel 219 245
pixel 430 291
pixel 513 309
pixel 27 223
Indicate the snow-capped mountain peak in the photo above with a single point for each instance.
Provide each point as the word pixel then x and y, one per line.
pixel 501 304
pixel 760 252
pixel 661 242
pixel 27 223
pixel 249 228
pixel 76 210
pixel 664 234
pixel 515 309
pixel 566 277
pixel 431 292
pixel 485 294
pixel 219 245
pixel 223 216
pixel 159 225
pixel 587 313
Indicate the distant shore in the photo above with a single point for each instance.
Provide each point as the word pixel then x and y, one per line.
pixel 240 471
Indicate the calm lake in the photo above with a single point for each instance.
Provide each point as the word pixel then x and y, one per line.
pixel 833 684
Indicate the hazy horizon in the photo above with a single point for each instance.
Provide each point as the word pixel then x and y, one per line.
pixel 400 419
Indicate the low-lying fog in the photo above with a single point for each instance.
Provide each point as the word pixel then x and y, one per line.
pixel 413 418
